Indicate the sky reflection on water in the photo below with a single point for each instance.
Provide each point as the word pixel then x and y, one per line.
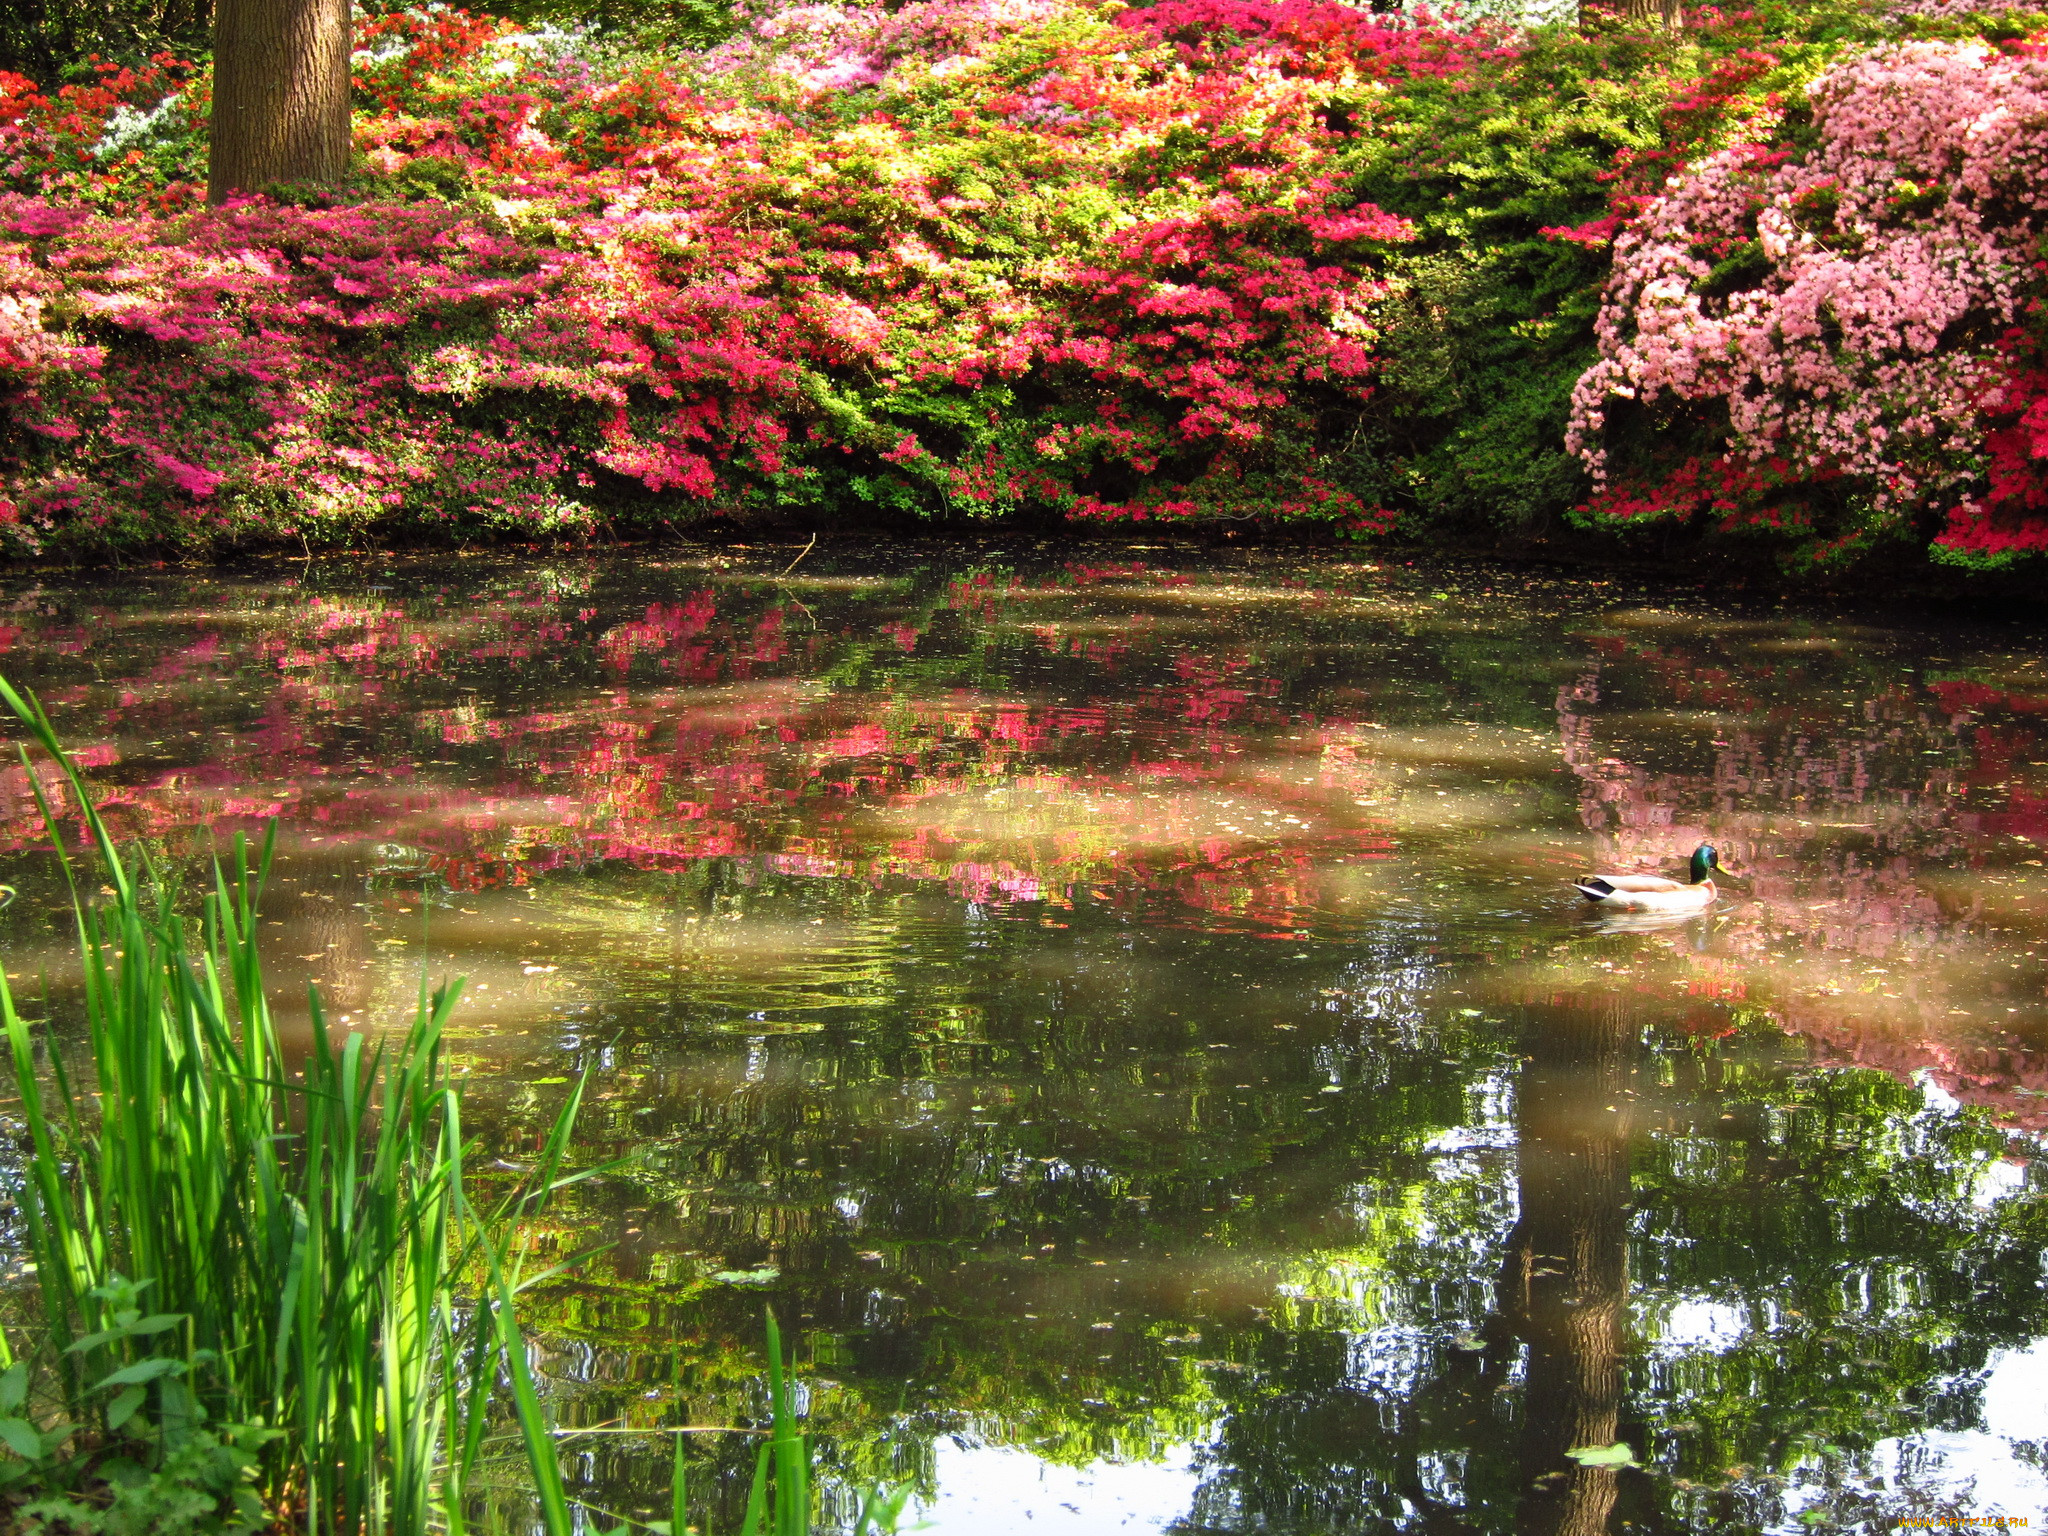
pixel 1130 1003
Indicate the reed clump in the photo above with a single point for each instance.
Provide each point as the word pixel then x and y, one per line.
pixel 266 1296
pixel 265 1291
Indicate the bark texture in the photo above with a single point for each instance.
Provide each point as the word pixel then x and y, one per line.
pixel 1670 12
pixel 280 94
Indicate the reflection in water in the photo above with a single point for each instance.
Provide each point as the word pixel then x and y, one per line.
pixel 1130 1018
pixel 1564 1276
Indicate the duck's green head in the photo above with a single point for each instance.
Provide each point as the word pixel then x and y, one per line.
pixel 1705 860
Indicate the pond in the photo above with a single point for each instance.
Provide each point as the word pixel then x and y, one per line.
pixel 1123 1008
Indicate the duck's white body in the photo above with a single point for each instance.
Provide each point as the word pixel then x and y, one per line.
pixel 1646 893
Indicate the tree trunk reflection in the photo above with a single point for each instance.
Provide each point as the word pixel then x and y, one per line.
pixel 1564 1281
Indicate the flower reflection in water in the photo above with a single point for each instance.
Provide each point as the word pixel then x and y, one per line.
pixel 1135 1009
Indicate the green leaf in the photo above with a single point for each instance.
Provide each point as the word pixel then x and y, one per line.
pixel 1618 1454
pixel 121 1472
pixel 128 1325
pixel 541 1454
pixel 881 1509
pixel 762 1276
pixel 122 1409
pixel 13 1386
pixel 141 1371
pixel 21 1437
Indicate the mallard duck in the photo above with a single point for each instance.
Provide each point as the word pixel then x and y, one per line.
pixel 1653 893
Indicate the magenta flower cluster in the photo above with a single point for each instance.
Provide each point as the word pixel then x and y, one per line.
pixel 975 257
pixel 568 294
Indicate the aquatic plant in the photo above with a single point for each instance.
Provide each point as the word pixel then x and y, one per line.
pixel 265 1290
pixel 280 1279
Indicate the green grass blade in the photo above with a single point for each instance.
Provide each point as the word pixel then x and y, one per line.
pixel 757 1497
pixel 541 1451
pixel 792 1459
pixel 678 1490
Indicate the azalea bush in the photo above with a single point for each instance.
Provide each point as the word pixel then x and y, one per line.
pixel 1270 263
pixel 1825 334
pixel 562 296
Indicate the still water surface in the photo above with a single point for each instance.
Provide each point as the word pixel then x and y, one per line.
pixel 1125 1010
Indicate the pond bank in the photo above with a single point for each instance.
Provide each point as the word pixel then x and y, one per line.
pixel 1713 572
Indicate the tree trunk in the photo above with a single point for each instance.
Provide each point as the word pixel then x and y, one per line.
pixel 1670 12
pixel 280 94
